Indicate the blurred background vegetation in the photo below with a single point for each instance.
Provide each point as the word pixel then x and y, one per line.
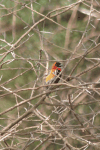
pixel 33 33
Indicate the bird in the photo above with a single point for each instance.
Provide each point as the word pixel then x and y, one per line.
pixel 55 74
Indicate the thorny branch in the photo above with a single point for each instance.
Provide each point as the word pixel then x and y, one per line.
pixel 33 36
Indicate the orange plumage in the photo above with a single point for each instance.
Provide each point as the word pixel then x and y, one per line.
pixel 52 77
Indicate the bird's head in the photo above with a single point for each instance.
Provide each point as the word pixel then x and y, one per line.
pixel 56 65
